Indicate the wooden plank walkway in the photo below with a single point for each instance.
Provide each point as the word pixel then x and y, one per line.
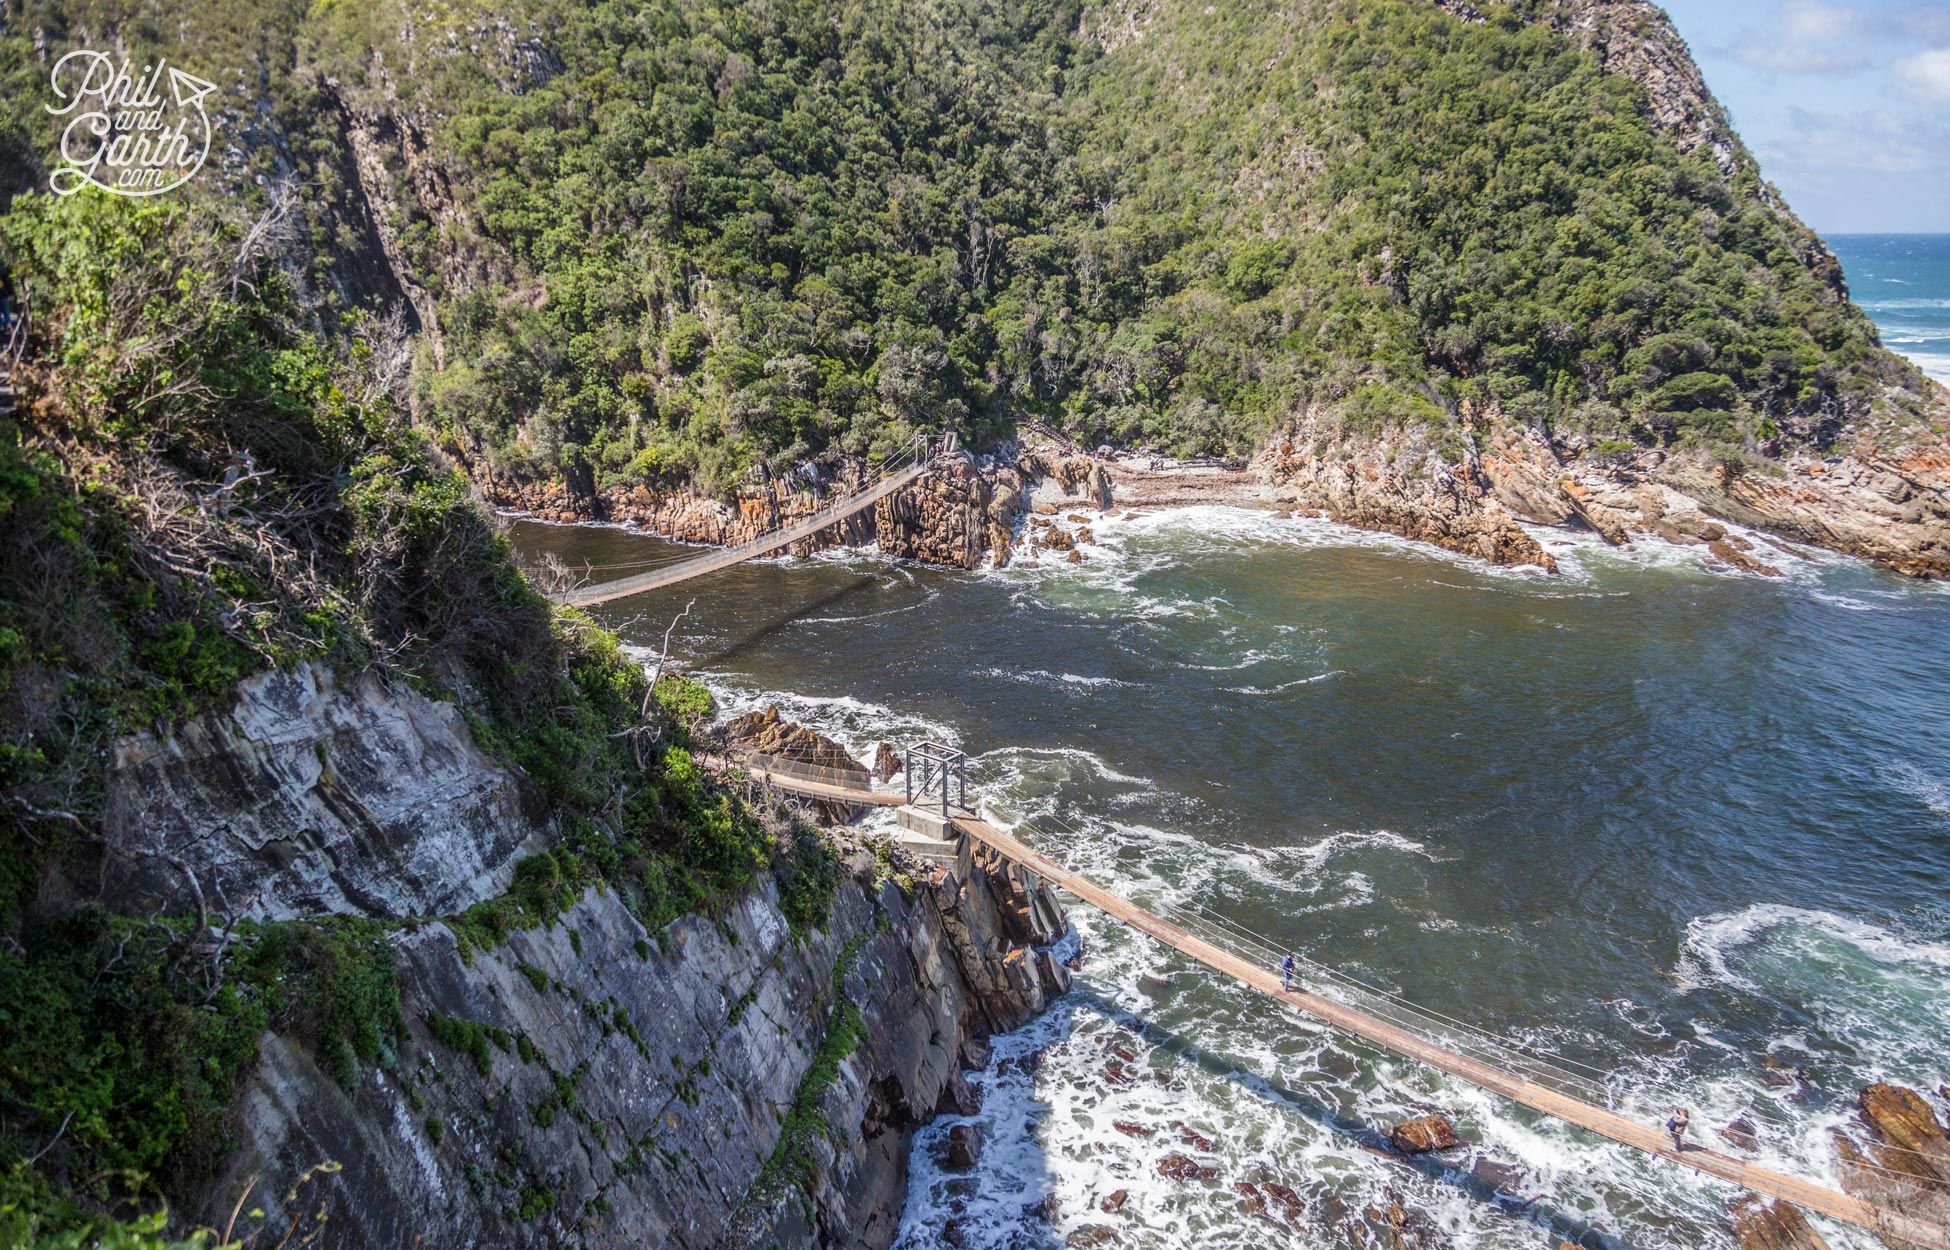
pixel 1652 1139
pixel 764 544
pixel 806 785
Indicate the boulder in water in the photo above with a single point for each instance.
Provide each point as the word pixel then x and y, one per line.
pixel 1180 1167
pixel 1115 1202
pixel 1741 1133
pixel 1284 1195
pixel 1724 551
pixel 964 1146
pixel 886 762
pixel 1760 1225
pixel 1424 1134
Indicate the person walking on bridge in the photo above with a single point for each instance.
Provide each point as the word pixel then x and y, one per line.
pixel 1677 1124
pixel 1286 972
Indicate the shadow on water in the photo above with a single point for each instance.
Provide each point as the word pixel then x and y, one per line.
pixel 1533 1210
pixel 759 631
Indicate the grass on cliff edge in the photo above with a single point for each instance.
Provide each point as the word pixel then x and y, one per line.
pixel 205 480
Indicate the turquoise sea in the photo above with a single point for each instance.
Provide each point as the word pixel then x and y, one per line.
pixel 1903 282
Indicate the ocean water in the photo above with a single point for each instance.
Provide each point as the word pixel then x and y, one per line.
pixel 1677 830
pixel 1903 282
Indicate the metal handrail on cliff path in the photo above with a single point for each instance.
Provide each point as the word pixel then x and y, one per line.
pixel 903 471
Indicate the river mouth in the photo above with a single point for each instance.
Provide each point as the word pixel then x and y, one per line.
pixel 1677 827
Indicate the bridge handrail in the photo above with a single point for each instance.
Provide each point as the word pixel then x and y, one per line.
pixel 785 766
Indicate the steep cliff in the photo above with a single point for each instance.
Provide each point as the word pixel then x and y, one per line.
pixel 339 871
pixel 592 1078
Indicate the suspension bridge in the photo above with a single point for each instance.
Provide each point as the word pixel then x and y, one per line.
pixel 896 475
pixel 933 806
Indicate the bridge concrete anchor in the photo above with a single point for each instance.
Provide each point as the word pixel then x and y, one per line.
pixel 929 834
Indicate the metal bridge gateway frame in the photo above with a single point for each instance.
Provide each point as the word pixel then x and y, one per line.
pixel 941 770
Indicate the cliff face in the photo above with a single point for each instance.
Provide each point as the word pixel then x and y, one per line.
pixel 314 794
pixel 591 1081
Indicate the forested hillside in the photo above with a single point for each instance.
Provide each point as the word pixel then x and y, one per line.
pixel 653 243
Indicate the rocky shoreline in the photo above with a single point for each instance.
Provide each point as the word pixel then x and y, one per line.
pixel 1889 506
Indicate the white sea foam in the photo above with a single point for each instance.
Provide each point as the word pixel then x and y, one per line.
pixel 1283 687
pixel 1036 676
pixel 1280 1099
pixel 1717 940
pixel 1932 791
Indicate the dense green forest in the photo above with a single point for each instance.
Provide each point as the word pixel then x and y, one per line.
pixel 656 242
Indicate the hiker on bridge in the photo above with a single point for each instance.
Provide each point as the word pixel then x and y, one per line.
pixel 1677 1124
pixel 1286 972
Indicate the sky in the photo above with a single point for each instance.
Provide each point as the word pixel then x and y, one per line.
pixel 1845 102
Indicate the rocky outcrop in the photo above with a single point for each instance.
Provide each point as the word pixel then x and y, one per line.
pixel 785 745
pixel 770 734
pixel 1006 926
pixel 1891 506
pixel 1424 1134
pixel 1762 1225
pixel 314 793
pixel 1903 1166
pixel 1892 509
pixel 1398 482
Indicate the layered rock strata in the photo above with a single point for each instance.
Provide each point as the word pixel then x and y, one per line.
pixel 314 793
pixel 639 1085
pixel 591 1082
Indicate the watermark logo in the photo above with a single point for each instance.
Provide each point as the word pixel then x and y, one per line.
pixel 125 136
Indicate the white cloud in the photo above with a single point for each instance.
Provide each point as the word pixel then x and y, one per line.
pixel 1928 23
pixel 1925 75
pixel 1878 141
pixel 1805 37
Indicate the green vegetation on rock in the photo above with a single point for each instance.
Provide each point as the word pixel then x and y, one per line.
pixel 204 481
